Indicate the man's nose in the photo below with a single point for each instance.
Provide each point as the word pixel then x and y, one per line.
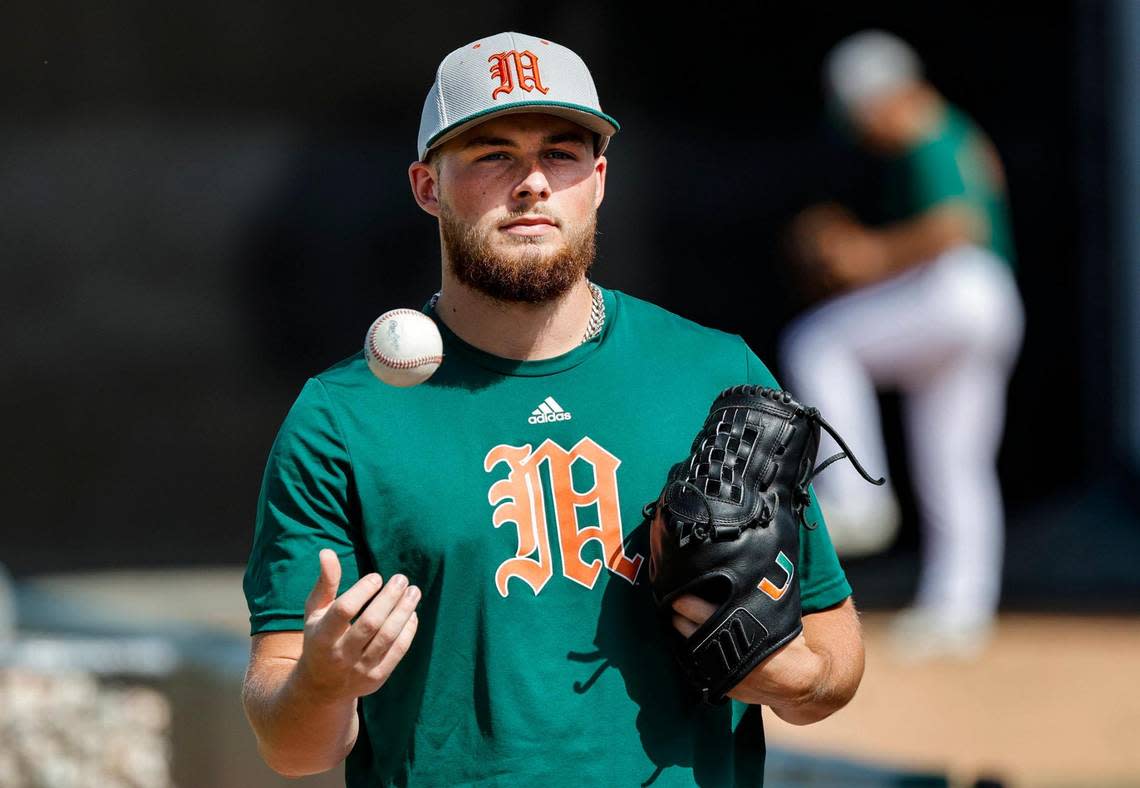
pixel 534 184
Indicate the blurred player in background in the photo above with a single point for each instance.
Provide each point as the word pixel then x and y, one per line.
pixel 926 303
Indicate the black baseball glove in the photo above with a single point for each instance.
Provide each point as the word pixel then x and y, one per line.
pixel 726 528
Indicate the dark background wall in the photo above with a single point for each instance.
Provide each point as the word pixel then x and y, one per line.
pixel 201 205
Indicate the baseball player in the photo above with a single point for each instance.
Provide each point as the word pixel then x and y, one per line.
pixel 448 582
pixel 925 303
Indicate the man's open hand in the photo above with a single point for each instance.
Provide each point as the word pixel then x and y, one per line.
pixel 834 252
pixel 343 658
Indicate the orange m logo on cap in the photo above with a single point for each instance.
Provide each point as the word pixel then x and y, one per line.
pixel 515 68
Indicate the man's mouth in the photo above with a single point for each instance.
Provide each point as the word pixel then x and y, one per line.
pixel 529 225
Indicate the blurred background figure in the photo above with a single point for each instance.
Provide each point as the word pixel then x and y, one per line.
pixel 921 299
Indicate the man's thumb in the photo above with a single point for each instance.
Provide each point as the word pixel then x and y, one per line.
pixel 328 581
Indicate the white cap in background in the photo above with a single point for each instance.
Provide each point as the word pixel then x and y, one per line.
pixel 867 66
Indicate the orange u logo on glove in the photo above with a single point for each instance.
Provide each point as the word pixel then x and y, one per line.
pixel 770 588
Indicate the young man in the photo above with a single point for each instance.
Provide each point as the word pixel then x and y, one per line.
pixel 483 530
pixel 924 302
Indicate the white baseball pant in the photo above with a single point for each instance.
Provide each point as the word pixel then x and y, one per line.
pixel 946 334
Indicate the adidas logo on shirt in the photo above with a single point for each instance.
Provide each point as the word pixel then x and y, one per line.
pixel 548 410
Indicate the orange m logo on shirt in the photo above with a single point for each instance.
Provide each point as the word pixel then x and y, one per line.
pixel 511 67
pixel 519 499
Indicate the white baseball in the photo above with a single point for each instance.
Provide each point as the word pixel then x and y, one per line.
pixel 403 347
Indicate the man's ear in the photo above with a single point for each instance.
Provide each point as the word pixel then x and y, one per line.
pixel 425 186
pixel 600 168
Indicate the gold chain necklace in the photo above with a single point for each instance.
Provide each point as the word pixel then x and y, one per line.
pixel 597 312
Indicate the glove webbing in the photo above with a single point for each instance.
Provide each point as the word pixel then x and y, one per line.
pixel 717 533
pixel 803 497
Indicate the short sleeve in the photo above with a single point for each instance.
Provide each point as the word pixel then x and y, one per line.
pixel 935 174
pixel 305 505
pixel 823 582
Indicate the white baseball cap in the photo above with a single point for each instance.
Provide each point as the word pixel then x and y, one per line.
pixel 867 66
pixel 510 73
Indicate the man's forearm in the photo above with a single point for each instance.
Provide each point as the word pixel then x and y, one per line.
pixel 815 674
pixel 834 639
pixel 918 240
pixel 297 734
pixel 827 695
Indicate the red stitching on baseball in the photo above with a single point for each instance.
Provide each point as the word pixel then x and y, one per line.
pixel 408 363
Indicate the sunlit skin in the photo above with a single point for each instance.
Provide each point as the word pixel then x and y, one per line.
pixel 891 122
pixel 493 172
pixel 527 187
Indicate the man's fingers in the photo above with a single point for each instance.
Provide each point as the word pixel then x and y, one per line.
pixel 690 612
pixel 397 650
pixel 684 625
pixel 373 618
pixel 385 638
pixel 341 612
pixel 328 580
pixel 694 608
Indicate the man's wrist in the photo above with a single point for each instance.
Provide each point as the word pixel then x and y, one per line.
pixel 310 692
pixel 789 678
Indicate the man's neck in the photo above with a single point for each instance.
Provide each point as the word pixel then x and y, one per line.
pixel 526 332
pixel 927 117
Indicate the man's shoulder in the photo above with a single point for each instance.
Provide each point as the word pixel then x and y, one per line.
pixel 349 370
pixel 959 129
pixel 340 383
pixel 658 323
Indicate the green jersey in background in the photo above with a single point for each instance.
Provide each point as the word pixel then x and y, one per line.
pixel 956 161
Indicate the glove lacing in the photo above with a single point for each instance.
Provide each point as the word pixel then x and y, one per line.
pixel 803 497
pixel 813 413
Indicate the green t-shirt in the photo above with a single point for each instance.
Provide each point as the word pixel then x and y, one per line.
pixel 955 162
pixel 511 493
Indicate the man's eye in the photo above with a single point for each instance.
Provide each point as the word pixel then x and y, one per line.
pixel 558 154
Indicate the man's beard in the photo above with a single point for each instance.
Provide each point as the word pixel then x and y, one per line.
pixel 533 273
